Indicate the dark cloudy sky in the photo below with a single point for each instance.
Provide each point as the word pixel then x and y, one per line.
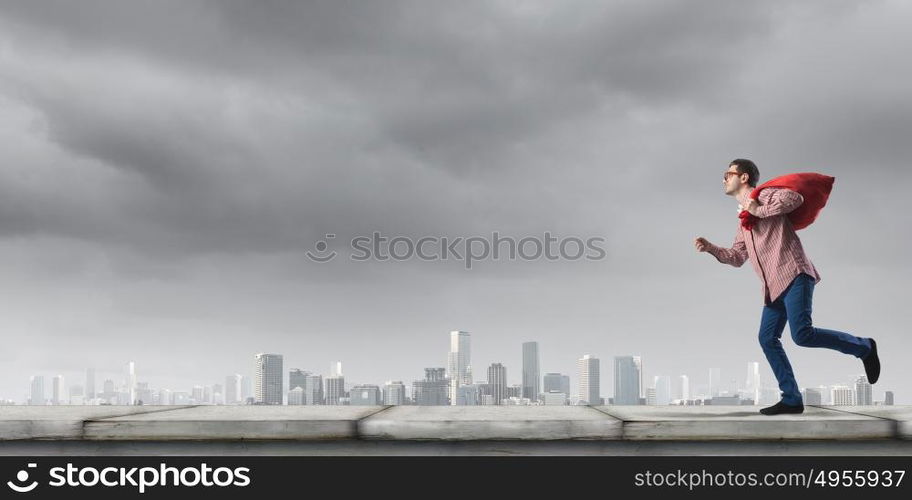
pixel 166 165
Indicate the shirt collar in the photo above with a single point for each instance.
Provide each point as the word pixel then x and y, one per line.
pixel 742 200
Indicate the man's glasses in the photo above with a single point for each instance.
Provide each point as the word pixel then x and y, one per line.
pixel 725 176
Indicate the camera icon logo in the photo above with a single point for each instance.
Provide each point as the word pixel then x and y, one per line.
pixel 21 477
pixel 321 247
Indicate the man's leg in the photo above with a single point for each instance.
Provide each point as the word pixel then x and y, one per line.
pixel 797 301
pixel 772 323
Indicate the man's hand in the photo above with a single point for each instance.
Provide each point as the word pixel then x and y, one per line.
pixel 752 206
pixel 702 244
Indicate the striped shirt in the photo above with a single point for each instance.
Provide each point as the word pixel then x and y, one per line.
pixel 772 245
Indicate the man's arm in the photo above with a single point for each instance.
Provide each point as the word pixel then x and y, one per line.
pixel 782 201
pixel 735 256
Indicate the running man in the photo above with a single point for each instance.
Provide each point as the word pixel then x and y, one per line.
pixel 788 278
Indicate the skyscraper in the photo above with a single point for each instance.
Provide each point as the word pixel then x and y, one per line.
pixel 335 385
pixel 662 384
pixel 313 389
pixel 458 361
pixel 57 397
pixel 589 376
pixel 753 381
pixel 233 389
pixel 864 393
pixel 842 395
pixel 267 383
pixel 531 375
pixel 36 390
pixel 627 380
pixel 394 393
pixel 715 377
pixel 90 383
pixel 130 382
pixel 497 377
pixel 433 390
pixel 335 389
pixel 684 387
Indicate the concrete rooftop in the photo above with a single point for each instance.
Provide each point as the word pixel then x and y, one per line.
pixel 446 430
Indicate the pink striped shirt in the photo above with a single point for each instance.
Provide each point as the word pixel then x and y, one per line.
pixel 772 245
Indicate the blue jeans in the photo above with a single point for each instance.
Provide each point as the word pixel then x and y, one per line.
pixel 794 305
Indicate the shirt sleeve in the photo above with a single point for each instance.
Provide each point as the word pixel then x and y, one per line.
pixel 781 202
pixel 734 256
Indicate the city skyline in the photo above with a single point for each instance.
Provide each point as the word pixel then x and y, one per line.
pixel 269 374
pixel 165 177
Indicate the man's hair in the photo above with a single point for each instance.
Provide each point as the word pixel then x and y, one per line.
pixel 747 167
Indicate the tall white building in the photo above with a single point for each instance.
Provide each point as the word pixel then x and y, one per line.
pixel 233 389
pixel 130 382
pixel 753 381
pixel 531 374
pixel 842 395
pixel 864 392
pixel 459 360
pixel 57 397
pixel 662 384
pixel 267 383
pixel 684 387
pixel 335 385
pixel 589 390
pixel 715 379
pixel 36 390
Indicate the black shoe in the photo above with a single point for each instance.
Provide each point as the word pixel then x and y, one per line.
pixel 781 407
pixel 872 364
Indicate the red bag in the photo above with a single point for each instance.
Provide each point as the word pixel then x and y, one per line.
pixel 815 188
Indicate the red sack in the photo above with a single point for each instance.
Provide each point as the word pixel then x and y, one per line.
pixel 815 188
